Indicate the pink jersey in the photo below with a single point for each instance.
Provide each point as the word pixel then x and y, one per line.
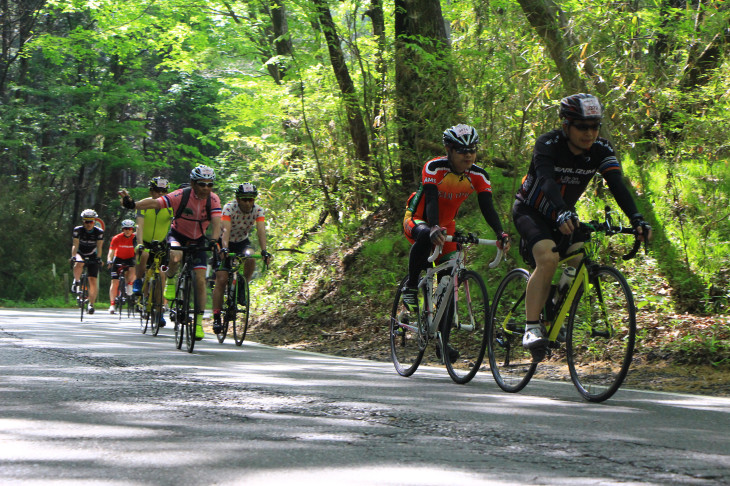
pixel 193 221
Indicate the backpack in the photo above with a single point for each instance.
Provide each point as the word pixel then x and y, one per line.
pixel 184 204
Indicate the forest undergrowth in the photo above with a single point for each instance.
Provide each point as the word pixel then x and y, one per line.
pixel 342 308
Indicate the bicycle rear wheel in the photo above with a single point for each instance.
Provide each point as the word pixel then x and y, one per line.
pixel 601 334
pixel 121 299
pixel 512 365
pixel 468 316
pixel 405 350
pixel 155 296
pixel 242 304
pixel 193 312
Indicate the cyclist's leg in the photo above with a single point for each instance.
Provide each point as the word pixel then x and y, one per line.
pixel 200 298
pixel 114 286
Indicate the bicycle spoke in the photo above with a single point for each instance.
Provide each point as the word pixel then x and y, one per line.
pixel 404 348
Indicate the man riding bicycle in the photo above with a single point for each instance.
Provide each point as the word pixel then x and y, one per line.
pixel 121 252
pixel 446 182
pixel 88 240
pixel 152 225
pixel 195 208
pixel 239 218
pixel 563 163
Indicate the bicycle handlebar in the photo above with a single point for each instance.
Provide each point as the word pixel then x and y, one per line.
pixel 470 238
pixel 611 229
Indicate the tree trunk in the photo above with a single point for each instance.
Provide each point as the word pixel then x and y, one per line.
pixel 427 99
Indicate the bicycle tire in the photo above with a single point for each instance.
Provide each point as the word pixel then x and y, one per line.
pixel 144 314
pixel 405 351
pixel 83 294
pixel 229 309
pixel 120 300
pixel 181 310
pixel 465 327
pixel 156 311
pixel 192 302
pixel 601 334
pixel 243 305
pixel 512 365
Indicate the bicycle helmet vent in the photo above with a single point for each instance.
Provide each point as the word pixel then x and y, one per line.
pixel 127 223
pixel 202 172
pixel 581 106
pixel 88 214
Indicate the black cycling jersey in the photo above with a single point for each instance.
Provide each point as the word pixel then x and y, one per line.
pixel 557 178
pixel 87 239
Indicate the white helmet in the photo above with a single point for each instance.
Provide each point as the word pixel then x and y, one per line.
pixel 127 223
pixel 202 172
pixel 88 214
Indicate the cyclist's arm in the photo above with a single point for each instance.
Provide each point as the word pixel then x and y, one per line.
pixel 620 192
pixel 110 255
pixel 74 247
pixel 486 205
pixel 99 248
pixel 140 229
pixel 545 178
pixel 431 210
pixel 215 224
pixel 225 232
pixel 261 234
pixel 148 203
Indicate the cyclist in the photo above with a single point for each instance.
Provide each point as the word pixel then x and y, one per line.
pixel 121 252
pixel 563 163
pixel 88 240
pixel 239 218
pixel 152 225
pixel 446 182
pixel 195 208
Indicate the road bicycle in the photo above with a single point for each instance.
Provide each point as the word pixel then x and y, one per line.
pixel 454 314
pixel 82 289
pixel 150 303
pixel 236 299
pixel 598 309
pixel 186 305
pixel 123 297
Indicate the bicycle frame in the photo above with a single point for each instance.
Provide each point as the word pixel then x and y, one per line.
pixel 454 266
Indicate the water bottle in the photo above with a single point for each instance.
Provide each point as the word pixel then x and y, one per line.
pixel 565 280
pixel 441 288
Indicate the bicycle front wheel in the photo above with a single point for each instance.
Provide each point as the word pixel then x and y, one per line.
pixel 83 294
pixel 467 330
pixel 156 311
pixel 192 314
pixel 512 365
pixel 405 350
pixel 601 334
pixel 229 308
pixel 182 309
pixel 242 304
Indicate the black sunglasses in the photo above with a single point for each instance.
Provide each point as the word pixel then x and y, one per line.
pixel 205 184
pixel 246 199
pixel 466 150
pixel 584 127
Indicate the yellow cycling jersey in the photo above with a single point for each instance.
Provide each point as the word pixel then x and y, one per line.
pixel 156 223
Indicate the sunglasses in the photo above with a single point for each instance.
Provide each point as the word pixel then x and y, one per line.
pixel 89 221
pixel 246 199
pixel 125 229
pixel 160 190
pixel 468 150
pixel 584 127
pixel 205 184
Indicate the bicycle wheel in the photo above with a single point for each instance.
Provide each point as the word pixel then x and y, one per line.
pixel 121 299
pixel 466 332
pixel 142 308
pixel 512 365
pixel 601 334
pixel 242 304
pixel 229 309
pixel 193 312
pixel 182 307
pixel 83 294
pixel 156 311
pixel 405 350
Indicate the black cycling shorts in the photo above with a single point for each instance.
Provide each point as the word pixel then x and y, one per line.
pixel 129 262
pixel 234 247
pixel 533 226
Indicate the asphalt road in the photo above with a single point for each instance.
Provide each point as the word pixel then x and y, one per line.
pixel 100 403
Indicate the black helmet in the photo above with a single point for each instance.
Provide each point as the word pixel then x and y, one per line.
pixel 581 106
pixel 460 136
pixel 246 190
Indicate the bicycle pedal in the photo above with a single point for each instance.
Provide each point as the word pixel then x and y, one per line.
pixel 538 354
